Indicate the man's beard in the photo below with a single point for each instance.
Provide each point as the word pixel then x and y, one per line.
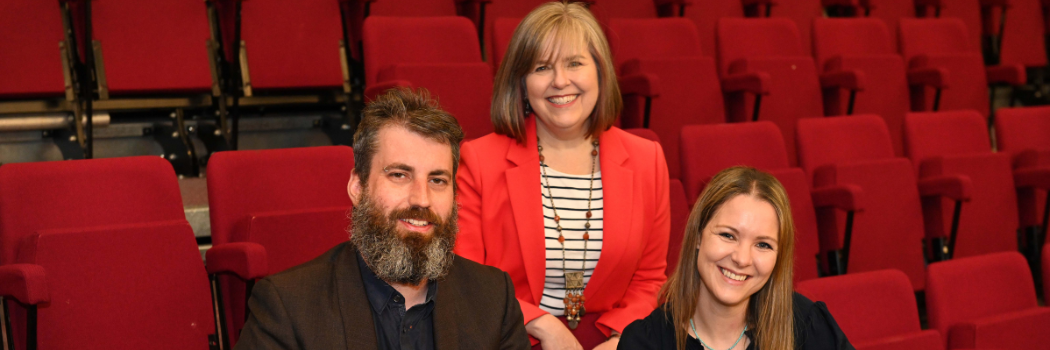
pixel 399 256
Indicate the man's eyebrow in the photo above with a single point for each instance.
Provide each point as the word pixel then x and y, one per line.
pixel 441 172
pixel 399 166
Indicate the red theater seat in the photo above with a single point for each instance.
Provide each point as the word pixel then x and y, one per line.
pixel 34 69
pixel 1021 42
pixel 440 54
pixel 888 11
pixel 705 14
pixel 986 302
pixel 1024 133
pixel 876 310
pixel 607 10
pixel 857 152
pixel 502 32
pixel 956 144
pixel 412 8
pixel 289 203
pixel 802 12
pixel 78 195
pixel 495 10
pixel 158 46
pixel 292 44
pixel 660 62
pixel 943 44
pixel 865 48
pixel 708 149
pixel 766 57
pixel 679 209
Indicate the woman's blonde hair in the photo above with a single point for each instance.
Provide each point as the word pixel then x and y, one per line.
pixel 770 310
pixel 541 31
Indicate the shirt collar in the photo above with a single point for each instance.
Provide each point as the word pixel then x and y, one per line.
pixel 381 293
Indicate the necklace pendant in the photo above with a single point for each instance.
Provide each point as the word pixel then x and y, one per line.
pixel 574 280
pixel 573 323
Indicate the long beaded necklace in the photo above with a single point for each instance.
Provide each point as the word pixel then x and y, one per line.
pixel 574 285
pixel 708 346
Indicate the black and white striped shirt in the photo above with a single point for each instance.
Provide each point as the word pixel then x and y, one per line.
pixel 570 194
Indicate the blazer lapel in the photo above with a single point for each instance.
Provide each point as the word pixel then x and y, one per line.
pixel 523 185
pixel 358 327
pixel 618 191
pixel 446 332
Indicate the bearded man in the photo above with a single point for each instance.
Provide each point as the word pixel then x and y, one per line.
pixel 396 284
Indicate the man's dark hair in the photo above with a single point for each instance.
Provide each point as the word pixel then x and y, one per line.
pixel 412 110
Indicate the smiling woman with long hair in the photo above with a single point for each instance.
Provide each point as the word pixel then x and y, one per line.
pixel 732 288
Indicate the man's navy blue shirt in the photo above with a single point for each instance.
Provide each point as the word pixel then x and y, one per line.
pixel 397 328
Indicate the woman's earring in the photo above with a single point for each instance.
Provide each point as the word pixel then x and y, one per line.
pixel 528 107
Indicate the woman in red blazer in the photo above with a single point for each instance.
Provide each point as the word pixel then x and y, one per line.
pixel 555 101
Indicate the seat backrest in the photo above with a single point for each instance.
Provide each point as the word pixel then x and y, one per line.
pixel 499 9
pixel 84 193
pixel 944 133
pixel 707 149
pixel 967 12
pixel 139 286
pixel 824 141
pixel 293 44
pixel 653 38
pixel 502 32
pixel 964 289
pixel 246 183
pixel 890 12
pixel 153 46
pixel 1019 129
pixel 35 68
pixel 802 12
pixel 418 40
pixel 933 36
pixel 756 38
pixel 1020 43
pixel 412 8
pixel 705 14
pixel 868 306
pixel 679 217
pixel 606 10
pixel 850 37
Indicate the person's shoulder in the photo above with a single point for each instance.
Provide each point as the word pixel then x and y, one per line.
pixel 489 142
pixel 815 327
pixel 631 142
pixel 802 304
pixel 467 271
pixel 655 331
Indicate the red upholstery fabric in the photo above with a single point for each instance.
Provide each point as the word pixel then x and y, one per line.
pixel 1046 271
pixel 328 227
pixel 122 286
pixel 967 12
pixel 412 8
pixel 35 68
pixel 876 308
pixel 949 143
pixel 707 149
pixel 1020 131
pixel 679 217
pixel 246 260
pixel 462 89
pixel 153 46
pixel 866 46
pixel 243 184
pixel 502 32
pixel 802 12
pixel 606 10
pixel 422 40
pixel 856 150
pixel 1021 43
pixel 770 46
pixel 647 134
pixel 669 49
pixel 986 290
pixel 495 10
pixel 84 193
pixel 890 12
pixel 706 15
pixel 26 283
pixel 293 44
pixel 944 43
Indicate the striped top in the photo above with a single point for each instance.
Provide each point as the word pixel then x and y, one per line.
pixel 570 197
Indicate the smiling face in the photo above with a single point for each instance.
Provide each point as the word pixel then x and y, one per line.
pixel 563 86
pixel 737 251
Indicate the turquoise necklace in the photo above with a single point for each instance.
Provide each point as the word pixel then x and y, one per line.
pixel 708 346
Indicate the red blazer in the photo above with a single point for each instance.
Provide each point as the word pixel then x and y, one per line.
pixel 501 221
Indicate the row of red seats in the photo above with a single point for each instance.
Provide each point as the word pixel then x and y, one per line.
pixel 103 240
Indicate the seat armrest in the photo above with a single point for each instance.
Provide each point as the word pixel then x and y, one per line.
pixel 245 260
pixel 26 283
pixel 931 76
pixel 643 84
pixel 1035 177
pixel 848 79
pixel 757 83
pixel 1031 157
pixel 1002 327
pixel 956 187
pixel 379 88
pixel 845 197
pixel 1013 74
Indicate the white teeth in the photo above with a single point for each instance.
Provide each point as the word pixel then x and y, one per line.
pixel 733 276
pixel 560 100
pixel 415 222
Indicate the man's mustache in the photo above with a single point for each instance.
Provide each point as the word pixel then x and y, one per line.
pixel 417 213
